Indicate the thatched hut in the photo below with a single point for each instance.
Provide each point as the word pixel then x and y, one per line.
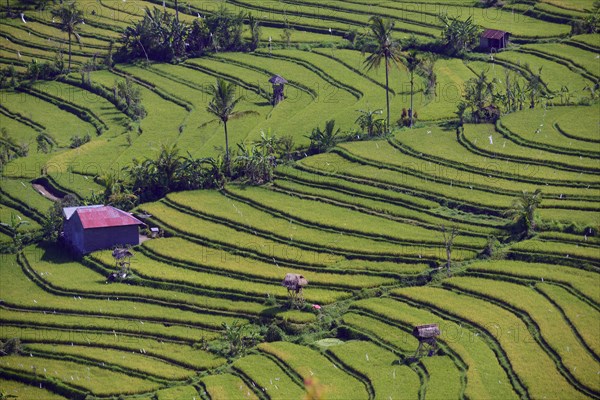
pixel 427 337
pixel 294 284
pixel 422 332
pixel 120 253
pixel 122 256
pixel 278 83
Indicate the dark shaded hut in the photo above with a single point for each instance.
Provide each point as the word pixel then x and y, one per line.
pixel 278 83
pixel 98 227
pixel 493 40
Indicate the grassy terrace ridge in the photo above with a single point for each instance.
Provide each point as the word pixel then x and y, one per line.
pixel 175 353
pixel 16 317
pixel 26 293
pixel 560 250
pixel 504 327
pixel 442 146
pixel 574 357
pixel 262 271
pixel 377 364
pixel 389 157
pixel 577 313
pixel 178 274
pixel 74 375
pixel 311 239
pixel 319 214
pixel 137 362
pixel 485 375
pixel 307 362
pixel 583 281
pixel 369 206
pixel 268 377
pixel 14 388
pixel 227 386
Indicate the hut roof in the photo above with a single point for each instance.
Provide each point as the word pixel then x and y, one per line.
pixel 277 80
pixel 294 281
pixel 426 331
pixel 99 216
pixel 120 253
pixel 493 34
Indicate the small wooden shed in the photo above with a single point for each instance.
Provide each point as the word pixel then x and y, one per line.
pixel 423 332
pixel 493 40
pixel 427 337
pixel 294 284
pixel 278 83
pixel 99 227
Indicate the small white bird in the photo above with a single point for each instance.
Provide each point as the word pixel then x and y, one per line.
pixel 491 139
pixel 19 53
pixel 23 18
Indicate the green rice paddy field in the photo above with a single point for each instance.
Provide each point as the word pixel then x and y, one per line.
pixel 362 222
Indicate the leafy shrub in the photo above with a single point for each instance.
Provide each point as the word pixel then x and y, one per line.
pixel 77 141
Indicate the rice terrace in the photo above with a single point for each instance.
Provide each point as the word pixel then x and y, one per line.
pixel 299 199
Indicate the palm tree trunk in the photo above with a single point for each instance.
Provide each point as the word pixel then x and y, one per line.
pixel 69 67
pixel 412 111
pixel 387 94
pixel 227 166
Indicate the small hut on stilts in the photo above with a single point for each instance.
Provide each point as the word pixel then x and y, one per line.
pixel 122 256
pixel 278 83
pixel 427 337
pixel 294 284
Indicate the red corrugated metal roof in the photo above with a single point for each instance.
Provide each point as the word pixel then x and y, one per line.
pixel 493 34
pixel 104 217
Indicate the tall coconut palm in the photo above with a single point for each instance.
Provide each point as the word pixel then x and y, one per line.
pixel 70 16
pixel 386 50
pixel 222 106
pixel 255 31
pixel 522 211
pixel 412 64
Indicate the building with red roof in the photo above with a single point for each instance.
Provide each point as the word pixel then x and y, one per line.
pixel 493 40
pixel 91 228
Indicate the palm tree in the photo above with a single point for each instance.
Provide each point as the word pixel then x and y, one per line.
pixel 387 50
pixel 368 121
pixel 535 87
pixel 70 16
pixel 412 64
pixel 13 228
pixel 323 140
pixel 449 235
pixel 255 30
pixel 522 211
pixel 460 36
pixel 221 106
